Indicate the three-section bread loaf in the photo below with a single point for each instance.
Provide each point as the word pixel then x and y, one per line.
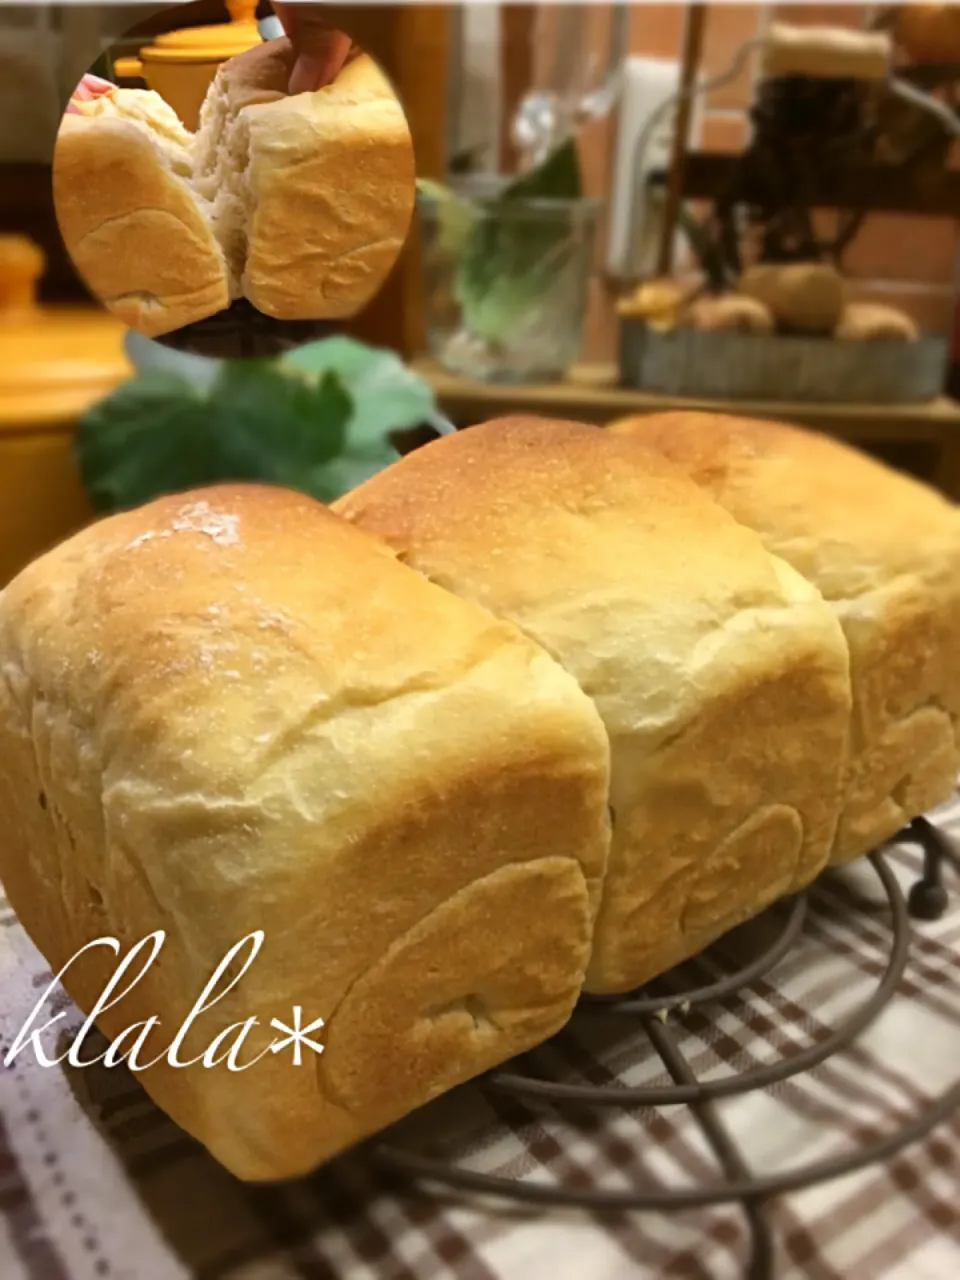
pixel 884 550
pixel 300 204
pixel 535 709
pixel 720 673
pixel 230 711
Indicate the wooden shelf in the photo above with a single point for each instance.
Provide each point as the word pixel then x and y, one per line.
pixel 923 439
pixel 591 394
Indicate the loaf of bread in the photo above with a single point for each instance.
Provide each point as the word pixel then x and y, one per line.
pixel 721 675
pixel 230 711
pixel 885 552
pixel 805 296
pixel 733 313
pixel 300 204
pixel 829 53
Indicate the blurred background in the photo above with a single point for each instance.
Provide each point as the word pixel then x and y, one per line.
pixel 748 207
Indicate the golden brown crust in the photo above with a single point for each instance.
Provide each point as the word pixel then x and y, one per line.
pixel 885 551
pixel 721 676
pixel 332 178
pixel 229 711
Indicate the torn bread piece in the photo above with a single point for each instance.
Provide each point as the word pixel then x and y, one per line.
pixel 300 204
pixel 137 232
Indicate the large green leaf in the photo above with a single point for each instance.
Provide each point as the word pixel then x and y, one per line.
pixel 160 433
pixel 386 395
pixel 318 419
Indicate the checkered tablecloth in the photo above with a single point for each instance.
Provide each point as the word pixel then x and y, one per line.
pixel 96 1182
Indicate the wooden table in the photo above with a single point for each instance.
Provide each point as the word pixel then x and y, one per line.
pixel 923 439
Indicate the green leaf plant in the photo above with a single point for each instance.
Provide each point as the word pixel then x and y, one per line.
pixel 318 419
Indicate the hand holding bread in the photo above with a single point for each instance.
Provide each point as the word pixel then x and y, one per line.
pixel 298 203
pixel 321 51
pixel 88 90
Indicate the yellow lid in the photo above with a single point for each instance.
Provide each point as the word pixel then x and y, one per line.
pixel 54 361
pixel 209 44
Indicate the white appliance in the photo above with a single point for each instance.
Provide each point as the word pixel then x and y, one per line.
pixel 645 130
pixel 475 86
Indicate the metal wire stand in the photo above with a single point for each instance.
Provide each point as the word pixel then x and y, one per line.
pixel 926 900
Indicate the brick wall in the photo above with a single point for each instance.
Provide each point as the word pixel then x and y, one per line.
pixel 906 261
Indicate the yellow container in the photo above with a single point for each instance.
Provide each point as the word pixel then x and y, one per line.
pixel 181 64
pixel 54 363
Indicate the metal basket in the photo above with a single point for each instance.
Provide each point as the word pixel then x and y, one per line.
pixel 738 366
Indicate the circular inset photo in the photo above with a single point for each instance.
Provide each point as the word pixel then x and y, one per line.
pixel 199 193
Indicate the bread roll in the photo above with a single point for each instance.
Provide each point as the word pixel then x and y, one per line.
pixel 720 674
pixel 732 313
pixel 807 296
pixel 885 551
pixel 300 204
pixel 828 53
pixel 659 302
pixel 229 711
pixel 870 321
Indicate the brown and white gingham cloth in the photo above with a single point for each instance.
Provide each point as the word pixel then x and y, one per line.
pixel 96 1182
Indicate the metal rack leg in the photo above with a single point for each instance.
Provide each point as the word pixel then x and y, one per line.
pixel 739 1184
pixel 760 1265
pixel 928 899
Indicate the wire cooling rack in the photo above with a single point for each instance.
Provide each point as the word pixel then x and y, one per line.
pixel 739 1184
